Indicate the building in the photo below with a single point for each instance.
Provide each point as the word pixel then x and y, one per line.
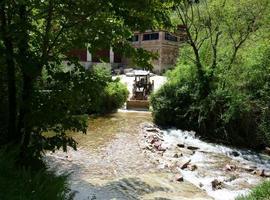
pixel 166 45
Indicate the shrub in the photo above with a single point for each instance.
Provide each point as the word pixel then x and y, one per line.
pixel 235 112
pixel 115 96
pixel 27 184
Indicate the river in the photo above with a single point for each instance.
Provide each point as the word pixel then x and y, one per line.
pixel 111 165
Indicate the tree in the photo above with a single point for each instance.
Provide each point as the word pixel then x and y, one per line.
pixel 212 25
pixel 36 35
pixel 220 87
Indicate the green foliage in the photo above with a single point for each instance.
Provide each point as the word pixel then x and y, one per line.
pixel 236 114
pixel 115 96
pixel 261 192
pixel 35 38
pixel 220 87
pixel 68 95
pixel 27 184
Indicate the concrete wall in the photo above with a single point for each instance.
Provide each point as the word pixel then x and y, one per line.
pixel 167 51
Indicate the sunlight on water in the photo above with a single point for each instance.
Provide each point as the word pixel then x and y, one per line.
pixel 110 164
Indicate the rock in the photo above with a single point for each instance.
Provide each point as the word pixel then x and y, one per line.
pixel 185 164
pixel 254 172
pixel 149 147
pixel 152 129
pixel 157 144
pixel 263 174
pixel 231 178
pixel 267 150
pixel 153 140
pixel 177 155
pixel 229 167
pixel 216 184
pixel 193 148
pixel 181 145
pixel 200 185
pixel 160 148
pixel 146 125
pixel 187 152
pixel 192 167
pixel 249 169
pixel 179 178
pixel 235 153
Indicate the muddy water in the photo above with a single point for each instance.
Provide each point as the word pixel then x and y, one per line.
pixel 109 164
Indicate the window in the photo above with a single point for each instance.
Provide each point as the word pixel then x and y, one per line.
pixel 134 38
pixel 170 37
pixel 151 36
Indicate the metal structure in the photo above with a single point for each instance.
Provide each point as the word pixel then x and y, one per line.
pixel 142 86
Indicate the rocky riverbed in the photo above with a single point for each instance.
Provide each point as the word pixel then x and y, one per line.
pixel 223 172
pixel 111 165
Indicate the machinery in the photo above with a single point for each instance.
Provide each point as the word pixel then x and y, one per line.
pixel 142 88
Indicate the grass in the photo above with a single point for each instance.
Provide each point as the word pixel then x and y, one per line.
pixel 261 192
pixel 18 183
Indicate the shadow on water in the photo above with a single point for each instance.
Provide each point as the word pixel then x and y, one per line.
pixel 123 189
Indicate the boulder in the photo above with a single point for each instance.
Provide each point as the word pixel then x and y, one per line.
pixel 216 184
pixel 157 144
pixel 234 153
pixel 267 150
pixel 153 140
pixel 231 178
pixel 152 129
pixel 181 145
pixel 179 178
pixel 229 167
pixel 193 148
pixel 185 164
pixel 192 167
pixel 146 125
pixel 249 168
pixel 177 155
pixel 264 174
pixel 187 152
pixel 161 148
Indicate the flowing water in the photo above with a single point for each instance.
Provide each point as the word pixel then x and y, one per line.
pixel 109 164
pixel 211 161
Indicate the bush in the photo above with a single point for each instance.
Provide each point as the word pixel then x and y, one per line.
pixel 27 184
pixel 115 96
pixel 261 192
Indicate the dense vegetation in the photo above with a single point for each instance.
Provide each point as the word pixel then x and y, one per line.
pixel 35 38
pixel 28 184
pixel 261 192
pixel 38 94
pixel 220 87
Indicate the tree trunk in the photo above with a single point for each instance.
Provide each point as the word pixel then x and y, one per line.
pixel 9 56
pixel 204 86
pixel 12 102
pixel 24 124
